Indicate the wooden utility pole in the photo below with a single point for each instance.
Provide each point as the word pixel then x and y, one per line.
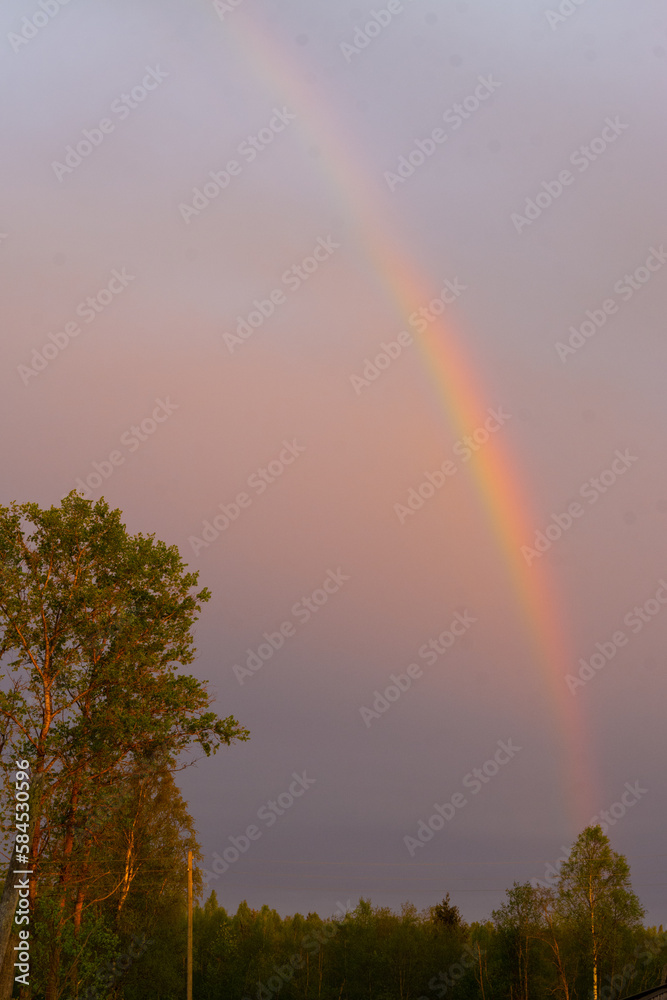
pixel 189 925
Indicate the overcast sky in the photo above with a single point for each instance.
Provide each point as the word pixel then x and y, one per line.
pixel 267 370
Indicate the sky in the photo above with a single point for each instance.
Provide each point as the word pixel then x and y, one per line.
pixel 362 307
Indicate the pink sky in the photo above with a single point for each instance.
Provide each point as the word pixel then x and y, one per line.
pixel 151 344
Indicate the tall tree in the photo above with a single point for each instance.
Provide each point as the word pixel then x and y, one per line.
pixel 594 888
pixel 94 624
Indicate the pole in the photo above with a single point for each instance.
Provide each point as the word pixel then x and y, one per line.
pixel 189 925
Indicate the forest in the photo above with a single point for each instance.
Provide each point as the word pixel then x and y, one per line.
pixel 531 947
pixel 537 944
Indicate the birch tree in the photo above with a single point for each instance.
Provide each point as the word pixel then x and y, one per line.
pixel 594 889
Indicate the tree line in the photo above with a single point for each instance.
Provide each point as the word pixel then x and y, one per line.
pixel 581 939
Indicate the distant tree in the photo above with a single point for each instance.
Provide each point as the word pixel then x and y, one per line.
pixel 517 922
pixel 446 914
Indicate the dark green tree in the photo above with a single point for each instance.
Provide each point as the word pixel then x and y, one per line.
pixel 446 914
pixel 517 922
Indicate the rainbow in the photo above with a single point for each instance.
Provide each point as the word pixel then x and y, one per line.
pixel 501 492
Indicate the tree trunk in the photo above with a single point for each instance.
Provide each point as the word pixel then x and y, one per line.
pixel 481 974
pixel 51 992
pixel 78 911
pixel 8 903
pixel 64 881
pixel 591 899
pixel 10 893
pixel 320 969
pixel 7 971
